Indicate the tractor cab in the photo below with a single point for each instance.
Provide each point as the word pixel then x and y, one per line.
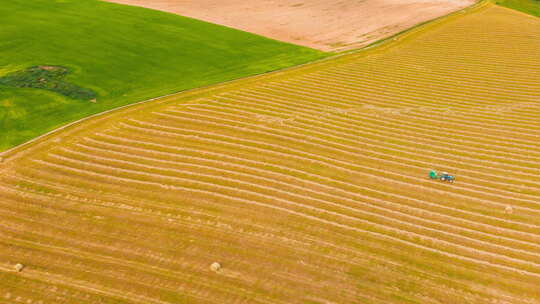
pixel 446 177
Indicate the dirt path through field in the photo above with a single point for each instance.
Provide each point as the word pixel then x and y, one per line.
pixel 321 24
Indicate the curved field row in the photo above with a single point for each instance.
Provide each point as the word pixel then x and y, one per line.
pixel 308 186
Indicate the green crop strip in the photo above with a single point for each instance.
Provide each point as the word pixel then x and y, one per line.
pixel 531 7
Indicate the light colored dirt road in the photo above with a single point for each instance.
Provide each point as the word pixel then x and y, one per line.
pixel 321 24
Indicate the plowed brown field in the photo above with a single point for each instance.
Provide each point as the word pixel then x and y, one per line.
pixel 308 186
pixel 321 24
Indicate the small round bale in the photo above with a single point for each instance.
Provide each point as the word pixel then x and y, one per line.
pixel 19 267
pixel 508 209
pixel 215 266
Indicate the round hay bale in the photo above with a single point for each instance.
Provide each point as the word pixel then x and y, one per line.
pixel 19 267
pixel 1 159
pixel 215 266
pixel 508 210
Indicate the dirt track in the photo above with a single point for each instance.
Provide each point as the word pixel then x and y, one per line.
pixel 321 24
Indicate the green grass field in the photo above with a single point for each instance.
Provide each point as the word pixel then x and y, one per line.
pixel 531 7
pixel 124 54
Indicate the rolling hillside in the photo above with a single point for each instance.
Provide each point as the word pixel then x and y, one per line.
pixel 123 54
pixel 307 186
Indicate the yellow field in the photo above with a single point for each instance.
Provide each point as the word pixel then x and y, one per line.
pixel 308 186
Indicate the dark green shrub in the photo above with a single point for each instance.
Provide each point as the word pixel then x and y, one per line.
pixel 47 78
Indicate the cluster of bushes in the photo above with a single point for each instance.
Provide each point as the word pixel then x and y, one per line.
pixel 47 78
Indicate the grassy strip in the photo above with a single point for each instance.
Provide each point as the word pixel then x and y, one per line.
pixel 531 7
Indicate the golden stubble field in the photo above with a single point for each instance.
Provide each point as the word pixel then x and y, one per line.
pixel 308 186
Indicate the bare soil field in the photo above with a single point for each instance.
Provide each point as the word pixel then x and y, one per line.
pixel 305 186
pixel 321 24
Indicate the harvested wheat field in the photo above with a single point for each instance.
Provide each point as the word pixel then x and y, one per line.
pixel 304 186
pixel 321 24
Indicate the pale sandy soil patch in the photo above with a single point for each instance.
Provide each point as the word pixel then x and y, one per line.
pixel 321 24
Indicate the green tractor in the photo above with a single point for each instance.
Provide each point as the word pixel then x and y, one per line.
pixel 444 177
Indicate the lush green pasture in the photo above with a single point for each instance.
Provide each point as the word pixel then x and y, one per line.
pixel 124 54
pixel 528 6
